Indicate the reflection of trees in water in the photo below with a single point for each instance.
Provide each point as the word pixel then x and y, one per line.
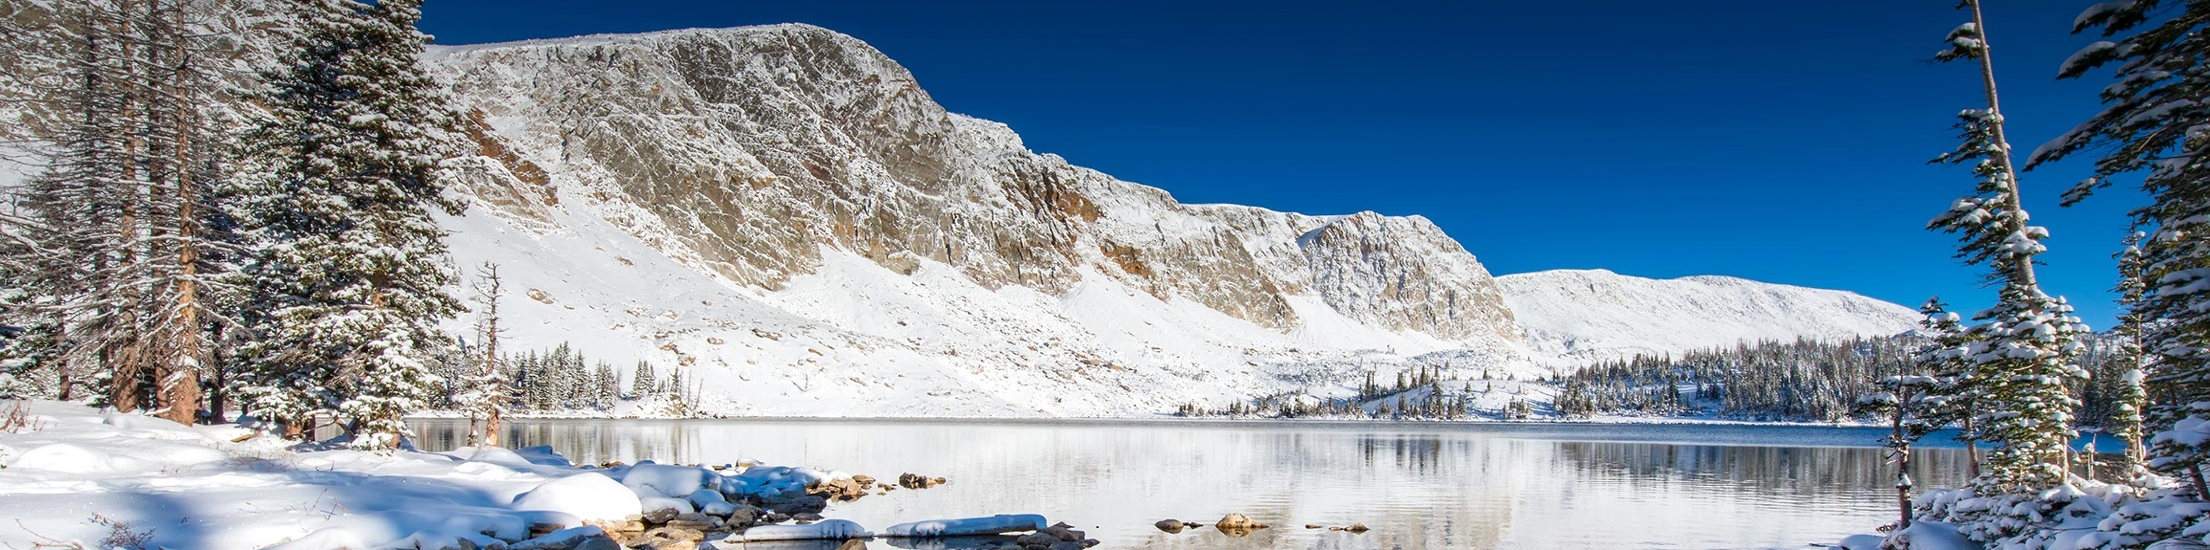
pixel 585 442
pixel 1806 470
pixel 1440 489
pixel 1415 453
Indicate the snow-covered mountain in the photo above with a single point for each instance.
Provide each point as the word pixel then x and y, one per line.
pixel 1598 314
pixel 783 210
pixel 783 214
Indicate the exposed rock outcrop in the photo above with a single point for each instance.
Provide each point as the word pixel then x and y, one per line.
pixel 740 151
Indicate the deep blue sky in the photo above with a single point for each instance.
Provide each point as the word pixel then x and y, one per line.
pixel 1783 141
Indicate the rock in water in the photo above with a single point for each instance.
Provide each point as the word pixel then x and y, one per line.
pixel 917 481
pixel 1236 525
pixel 1170 525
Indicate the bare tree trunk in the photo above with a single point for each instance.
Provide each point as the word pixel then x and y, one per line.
pixel 1971 448
pixel 125 362
pixel 2023 272
pixel 218 401
pixel 180 381
pixel 1902 467
pixel 491 429
pixel 2202 491
pixel 494 398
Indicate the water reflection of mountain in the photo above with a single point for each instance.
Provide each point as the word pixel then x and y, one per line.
pixel 1514 487
pixel 1798 469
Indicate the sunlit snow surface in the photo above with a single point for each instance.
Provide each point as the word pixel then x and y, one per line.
pixel 1518 486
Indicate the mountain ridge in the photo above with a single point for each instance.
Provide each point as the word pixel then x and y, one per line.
pixel 783 214
pixel 1600 314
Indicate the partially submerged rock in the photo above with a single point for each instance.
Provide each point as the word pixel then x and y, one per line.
pixel 835 529
pixel 1170 525
pixel 1236 525
pixel 1238 521
pixel 993 525
pixel 916 481
pixel 565 539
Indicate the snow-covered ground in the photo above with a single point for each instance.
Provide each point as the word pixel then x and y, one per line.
pixel 1597 314
pixel 74 477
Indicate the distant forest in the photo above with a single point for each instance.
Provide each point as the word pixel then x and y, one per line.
pixel 1801 380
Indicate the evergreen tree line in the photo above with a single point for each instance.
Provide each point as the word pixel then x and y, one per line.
pixel 559 379
pixel 178 254
pixel 1805 379
pixel 1416 394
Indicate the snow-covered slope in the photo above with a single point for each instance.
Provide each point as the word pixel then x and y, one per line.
pixel 786 214
pixel 1599 314
pixel 783 212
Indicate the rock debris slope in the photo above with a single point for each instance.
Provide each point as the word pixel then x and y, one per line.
pixel 784 210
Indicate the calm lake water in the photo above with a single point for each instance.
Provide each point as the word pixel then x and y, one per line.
pixel 1419 486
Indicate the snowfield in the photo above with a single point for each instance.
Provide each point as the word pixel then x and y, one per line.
pixel 1596 314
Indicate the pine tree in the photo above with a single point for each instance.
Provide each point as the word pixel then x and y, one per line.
pixel 2152 127
pixel 1958 387
pixel 605 386
pixel 1904 405
pixel 2129 397
pixel 2025 344
pixel 350 268
pixel 643 383
pixel 120 286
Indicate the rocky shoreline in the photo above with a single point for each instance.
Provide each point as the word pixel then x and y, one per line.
pixel 73 476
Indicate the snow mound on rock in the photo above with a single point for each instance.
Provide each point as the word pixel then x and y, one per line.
pixel 588 495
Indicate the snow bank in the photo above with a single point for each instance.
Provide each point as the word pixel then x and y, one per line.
pixel 656 504
pixel 1931 535
pixel 993 525
pixel 1861 542
pixel 193 487
pixel 64 457
pixel 664 480
pixel 2149 512
pixel 588 495
pixel 767 481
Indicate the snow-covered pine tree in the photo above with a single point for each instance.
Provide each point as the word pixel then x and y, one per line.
pixel 2023 347
pixel 120 213
pixel 2130 396
pixel 533 380
pixel 186 233
pixel 606 388
pixel 350 273
pixel 80 198
pixel 1958 384
pixel 1903 404
pixel 2155 125
pixel 643 383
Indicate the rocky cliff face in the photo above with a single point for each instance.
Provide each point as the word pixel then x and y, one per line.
pixel 743 151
